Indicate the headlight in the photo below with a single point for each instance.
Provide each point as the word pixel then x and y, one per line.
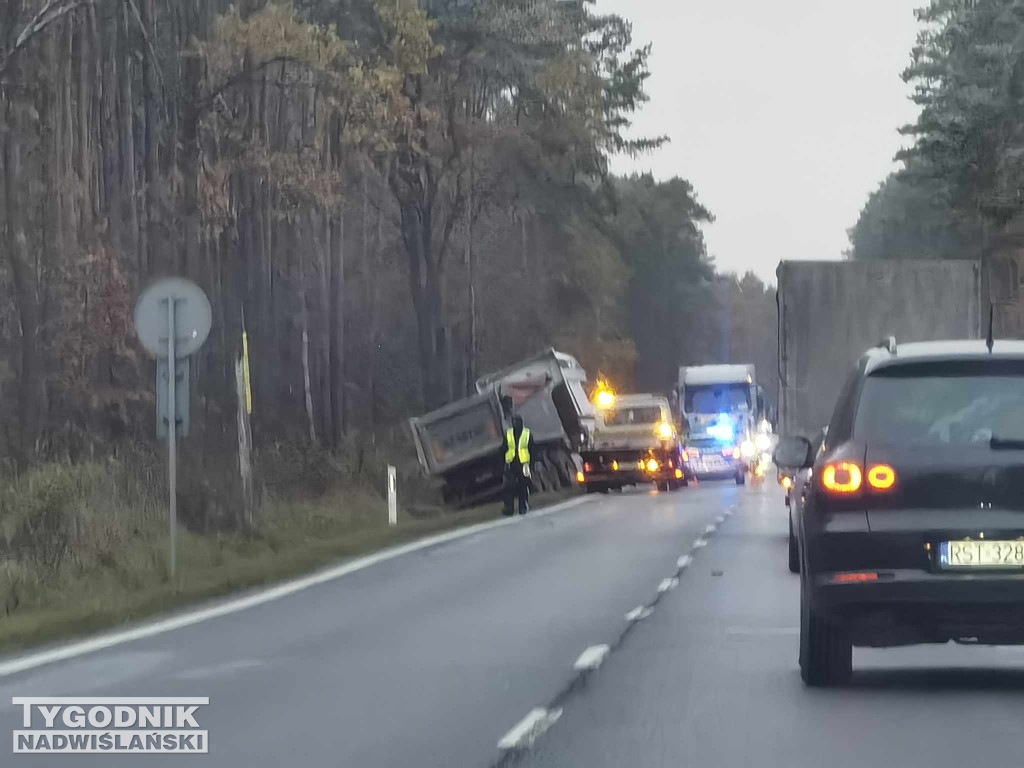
pixel 787 482
pixel 665 430
pixel 605 399
pixel 652 465
pixel 747 448
pixel 764 443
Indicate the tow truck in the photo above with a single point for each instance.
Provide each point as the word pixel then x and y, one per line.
pixel 634 441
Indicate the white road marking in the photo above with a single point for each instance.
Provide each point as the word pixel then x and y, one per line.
pixel 639 613
pixel 667 584
pixel 710 529
pixel 529 728
pixel 684 561
pixel 698 543
pixel 592 657
pixel 110 639
pixel 720 519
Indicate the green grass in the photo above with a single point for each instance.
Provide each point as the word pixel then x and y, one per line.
pixel 84 550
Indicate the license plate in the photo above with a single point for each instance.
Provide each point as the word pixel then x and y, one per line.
pixel 981 554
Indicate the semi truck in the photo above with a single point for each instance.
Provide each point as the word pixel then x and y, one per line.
pixel 830 312
pixel 463 443
pixel 634 441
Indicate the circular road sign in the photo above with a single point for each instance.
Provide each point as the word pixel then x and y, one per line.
pixel 192 316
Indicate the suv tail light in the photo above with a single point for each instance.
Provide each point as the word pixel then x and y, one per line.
pixel 881 477
pixel 842 477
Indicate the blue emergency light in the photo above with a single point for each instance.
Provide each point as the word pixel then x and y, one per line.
pixel 723 430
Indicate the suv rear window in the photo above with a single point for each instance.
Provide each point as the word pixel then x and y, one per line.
pixel 625 416
pixel 953 403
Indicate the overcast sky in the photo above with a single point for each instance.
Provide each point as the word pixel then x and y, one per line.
pixel 782 114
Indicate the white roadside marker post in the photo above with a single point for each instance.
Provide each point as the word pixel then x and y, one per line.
pixel 392 497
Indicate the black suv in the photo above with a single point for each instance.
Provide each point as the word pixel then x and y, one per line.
pixel 913 525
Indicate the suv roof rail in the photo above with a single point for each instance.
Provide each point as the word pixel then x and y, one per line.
pixel 888 344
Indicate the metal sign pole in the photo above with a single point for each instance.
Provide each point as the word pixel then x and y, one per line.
pixel 172 429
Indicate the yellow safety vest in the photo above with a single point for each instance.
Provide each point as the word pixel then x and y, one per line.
pixel 524 446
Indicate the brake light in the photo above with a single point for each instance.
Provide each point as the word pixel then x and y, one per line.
pixel 842 477
pixel 881 477
pixel 586 466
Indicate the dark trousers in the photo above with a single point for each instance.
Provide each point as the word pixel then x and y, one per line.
pixel 517 486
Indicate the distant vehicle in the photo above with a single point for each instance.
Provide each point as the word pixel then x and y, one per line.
pixel 463 443
pixel 634 441
pixel 913 526
pixel 708 458
pixel 722 404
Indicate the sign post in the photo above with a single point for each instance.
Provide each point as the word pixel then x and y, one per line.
pixel 172 434
pixel 392 497
pixel 172 320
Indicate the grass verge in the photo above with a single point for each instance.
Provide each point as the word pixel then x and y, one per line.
pixel 94 564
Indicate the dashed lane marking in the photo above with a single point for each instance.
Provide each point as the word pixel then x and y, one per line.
pixel 667 584
pixel 684 561
pixel 526 731
pixel 639 613
pixel 699 543
pixel 592 657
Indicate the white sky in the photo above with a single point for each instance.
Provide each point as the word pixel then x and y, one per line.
pixel 782 114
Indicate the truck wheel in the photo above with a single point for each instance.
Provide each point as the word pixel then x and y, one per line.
pixel 662 486
pixel 741 478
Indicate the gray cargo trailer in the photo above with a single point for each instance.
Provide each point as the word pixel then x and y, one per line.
pixel 830 312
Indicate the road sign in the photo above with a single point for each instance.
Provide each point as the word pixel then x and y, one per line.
pixel 192 316
pixel 181 393
pixel 172 318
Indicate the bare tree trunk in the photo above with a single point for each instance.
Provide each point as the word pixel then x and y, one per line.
pixel 85 95
pixel 154 255
pixel 337 321
pixel 306 389
pixel 29 381
pixel 327 430
pixel 127 153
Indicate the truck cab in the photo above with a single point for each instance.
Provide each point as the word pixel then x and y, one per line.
pixel 720 409
pixel 634 441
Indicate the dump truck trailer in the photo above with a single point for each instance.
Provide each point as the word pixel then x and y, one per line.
pixel 463 443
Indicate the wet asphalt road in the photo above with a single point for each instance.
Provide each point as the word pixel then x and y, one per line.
pixel 431 658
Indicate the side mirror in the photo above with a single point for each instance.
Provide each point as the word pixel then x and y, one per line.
pixel 794 452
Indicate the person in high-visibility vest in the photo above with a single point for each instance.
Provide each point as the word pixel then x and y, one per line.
pixel 518 446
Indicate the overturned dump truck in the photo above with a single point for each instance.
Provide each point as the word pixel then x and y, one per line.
pixel 463 443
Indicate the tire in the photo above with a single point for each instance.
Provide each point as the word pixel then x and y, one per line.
pixel 663 487
pixel 559 462
pixel 794 550
pixel 741 478
pixel 826 653
pixel 540 477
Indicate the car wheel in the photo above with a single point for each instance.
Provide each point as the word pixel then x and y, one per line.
pixel 826 653
pixel 794 550
pixel 663 486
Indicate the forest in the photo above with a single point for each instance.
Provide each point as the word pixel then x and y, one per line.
pixel 961 175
